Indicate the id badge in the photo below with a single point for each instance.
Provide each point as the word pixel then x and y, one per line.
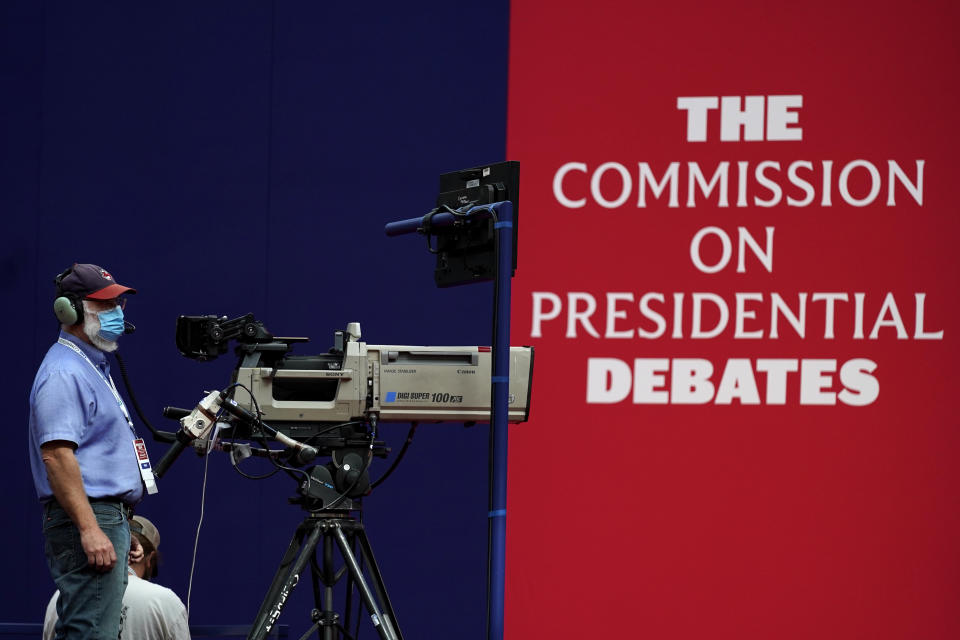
pixel 143 461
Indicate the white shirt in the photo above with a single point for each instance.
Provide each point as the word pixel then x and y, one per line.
pixel 150 612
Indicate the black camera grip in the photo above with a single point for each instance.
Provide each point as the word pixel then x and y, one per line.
pixel 183 440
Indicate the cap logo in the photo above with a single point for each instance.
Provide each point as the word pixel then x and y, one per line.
pixel 105 275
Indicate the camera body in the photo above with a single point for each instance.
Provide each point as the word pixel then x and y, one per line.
pixel 355 381
pixel 396 383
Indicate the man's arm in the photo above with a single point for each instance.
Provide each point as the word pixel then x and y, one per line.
pixel 66 481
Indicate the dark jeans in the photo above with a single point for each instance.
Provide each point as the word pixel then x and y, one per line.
pixel 90 602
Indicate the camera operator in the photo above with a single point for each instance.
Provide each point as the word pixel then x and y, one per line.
pixel 150 612
pixel 89 468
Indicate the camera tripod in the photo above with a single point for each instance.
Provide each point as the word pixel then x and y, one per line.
pixel 324 529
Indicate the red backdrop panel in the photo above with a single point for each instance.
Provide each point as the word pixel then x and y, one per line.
pixel 675 485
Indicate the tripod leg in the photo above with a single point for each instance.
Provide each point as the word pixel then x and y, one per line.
pixel 384 626
pixel 348 601
pixel 328 582
pixel 378 585
pixel 286 578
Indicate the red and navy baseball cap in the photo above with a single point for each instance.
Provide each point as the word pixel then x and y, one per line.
pixel 91 281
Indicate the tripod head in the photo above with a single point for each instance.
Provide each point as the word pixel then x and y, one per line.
pixel 340 483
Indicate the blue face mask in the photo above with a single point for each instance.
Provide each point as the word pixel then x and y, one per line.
pixel 111 324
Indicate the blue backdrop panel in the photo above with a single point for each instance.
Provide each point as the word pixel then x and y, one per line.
pixel 243 157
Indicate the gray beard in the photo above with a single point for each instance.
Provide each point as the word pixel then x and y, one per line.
pixel 91 328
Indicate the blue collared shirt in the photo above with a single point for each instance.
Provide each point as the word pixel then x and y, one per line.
pixel 73 402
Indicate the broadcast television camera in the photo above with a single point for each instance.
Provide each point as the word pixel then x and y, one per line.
pixel 301 396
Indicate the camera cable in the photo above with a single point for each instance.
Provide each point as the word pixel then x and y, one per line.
pixel 211 442
pixel 396 461
pixel 261 440
pixel 159 436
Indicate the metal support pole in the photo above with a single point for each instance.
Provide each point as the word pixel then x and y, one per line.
pixel 500 386
pixel 500 396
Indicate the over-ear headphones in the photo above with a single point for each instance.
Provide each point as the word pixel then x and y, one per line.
pixel 68 307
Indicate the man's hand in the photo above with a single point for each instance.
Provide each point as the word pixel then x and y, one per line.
pixel 100 552
pixel 136 551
